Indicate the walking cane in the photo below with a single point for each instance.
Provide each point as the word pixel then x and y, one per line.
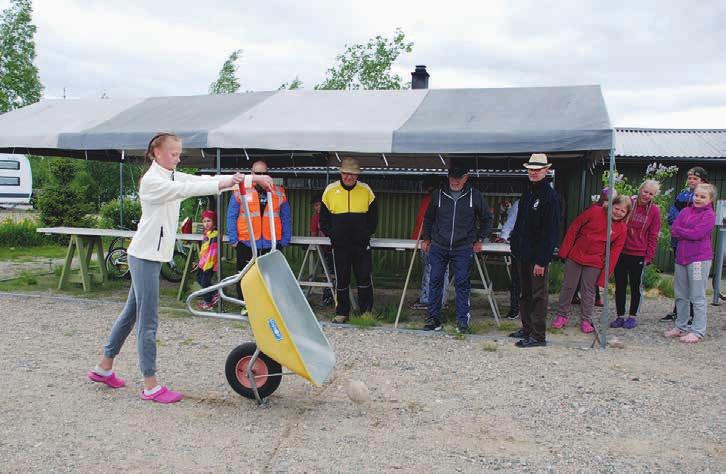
pixel 408 276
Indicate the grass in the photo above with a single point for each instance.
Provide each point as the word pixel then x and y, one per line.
pixel 388 314
pixel 665 286
pixel 365 320
pixel 21 254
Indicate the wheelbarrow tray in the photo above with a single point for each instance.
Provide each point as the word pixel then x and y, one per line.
pixel 284 325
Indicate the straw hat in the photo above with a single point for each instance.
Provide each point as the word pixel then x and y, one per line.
pixel 350 166
pixel 537 161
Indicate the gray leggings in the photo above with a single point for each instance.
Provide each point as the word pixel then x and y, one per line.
pixel 142 304
pixel 690 287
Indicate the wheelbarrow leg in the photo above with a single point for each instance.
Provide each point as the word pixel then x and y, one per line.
pixel 251 376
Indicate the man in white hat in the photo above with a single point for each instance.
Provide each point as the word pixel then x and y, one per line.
pixel 533 240
pixel 349 216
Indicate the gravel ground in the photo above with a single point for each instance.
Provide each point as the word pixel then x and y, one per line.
pixel 438 403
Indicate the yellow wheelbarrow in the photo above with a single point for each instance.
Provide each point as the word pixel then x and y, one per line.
pixel 286 331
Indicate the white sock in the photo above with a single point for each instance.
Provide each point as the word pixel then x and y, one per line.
pixel 101 372
pixel 152 391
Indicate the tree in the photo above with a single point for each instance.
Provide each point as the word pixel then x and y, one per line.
pixel 19 80
pixel 294 84
pixel 227 81
pixel 368 66
pixel 60 203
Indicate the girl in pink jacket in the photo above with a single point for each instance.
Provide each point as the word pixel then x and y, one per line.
pixel 639 250
pixel 692 229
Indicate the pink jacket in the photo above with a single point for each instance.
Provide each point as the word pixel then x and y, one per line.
pixel 692 229
pixel 643 230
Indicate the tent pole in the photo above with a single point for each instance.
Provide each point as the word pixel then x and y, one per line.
pixel 602 333
pixel 219 236
pixel 121 189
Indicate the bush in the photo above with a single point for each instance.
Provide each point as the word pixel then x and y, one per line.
pixel 59 203
pixel 21 234
pixel 651 277
pixel 110 214
pixel 665 286
pixel 556 274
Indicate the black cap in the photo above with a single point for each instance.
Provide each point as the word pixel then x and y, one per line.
pixel 457 171
pixel 700 172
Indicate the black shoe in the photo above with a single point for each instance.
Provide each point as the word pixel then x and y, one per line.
pixel 520 334
pixel 530 342
pixel 668 317
pixel 463 330
pixel 512 314
pixel 433 326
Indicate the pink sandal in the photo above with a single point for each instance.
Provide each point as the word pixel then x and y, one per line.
pixel 110 380
pixel 164 395
pixel 690 338
pixel 674 332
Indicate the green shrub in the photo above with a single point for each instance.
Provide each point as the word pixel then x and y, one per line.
pixel 110 214
pixel 21 234
pixel 651 277
pixel 61 204
pixel 556 274
pixel 665 286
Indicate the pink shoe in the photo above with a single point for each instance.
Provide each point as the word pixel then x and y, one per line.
pixel 110 380
pixel 164 395
pixel 674 332
pixel 690 338
pixel 559 322
pixel 587 327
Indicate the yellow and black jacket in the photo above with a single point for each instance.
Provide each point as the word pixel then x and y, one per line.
pixel 349 216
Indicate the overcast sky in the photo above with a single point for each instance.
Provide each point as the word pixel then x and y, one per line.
pixel 660 63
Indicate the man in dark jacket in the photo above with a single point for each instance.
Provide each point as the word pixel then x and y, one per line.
pixel 451 235
pixel 349 216
pixel 533 241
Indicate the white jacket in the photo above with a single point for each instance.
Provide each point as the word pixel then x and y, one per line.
pixel 161 193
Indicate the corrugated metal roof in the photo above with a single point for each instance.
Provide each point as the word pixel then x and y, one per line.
pixel 670 143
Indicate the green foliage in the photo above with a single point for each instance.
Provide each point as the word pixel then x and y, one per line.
pixel 665 286
pixel 651 277
pixel 295 84
pixel 19 80
pixel 388 314
pixel 110 214
pixel 365 320
pixel 227 81
pixel 21 234
pixel 60 204
pixel 368 66
pixel 26 278
pixel 556 274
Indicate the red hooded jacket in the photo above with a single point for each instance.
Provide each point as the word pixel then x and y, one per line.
pixel 584 242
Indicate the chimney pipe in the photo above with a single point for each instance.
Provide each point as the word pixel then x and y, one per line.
pixel 420 78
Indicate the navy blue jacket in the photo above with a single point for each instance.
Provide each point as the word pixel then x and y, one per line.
pixel 537 230
pixel 452 223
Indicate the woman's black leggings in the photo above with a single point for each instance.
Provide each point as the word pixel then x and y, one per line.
pixel 629 267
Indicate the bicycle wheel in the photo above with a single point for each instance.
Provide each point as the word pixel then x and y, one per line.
pixel 117 264
pixel 172 271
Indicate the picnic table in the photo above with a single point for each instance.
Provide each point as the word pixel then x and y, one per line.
pixel 87 242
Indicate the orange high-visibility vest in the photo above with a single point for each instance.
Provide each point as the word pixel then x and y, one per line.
pixel 260 222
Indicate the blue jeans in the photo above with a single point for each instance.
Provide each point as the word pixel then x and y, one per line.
pixel 142 310
pixel 460 260
pixel 426 280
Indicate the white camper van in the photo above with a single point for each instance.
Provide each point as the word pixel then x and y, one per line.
pixel 16 181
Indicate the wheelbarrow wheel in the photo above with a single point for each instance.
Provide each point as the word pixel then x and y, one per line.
pixel 236 371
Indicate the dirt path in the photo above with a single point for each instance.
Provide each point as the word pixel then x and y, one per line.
pixel 439 404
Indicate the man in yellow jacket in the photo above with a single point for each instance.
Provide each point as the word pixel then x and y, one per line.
pixel 349 216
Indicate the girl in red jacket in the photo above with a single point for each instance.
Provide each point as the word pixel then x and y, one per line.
pixel 638 252
pixel 584 252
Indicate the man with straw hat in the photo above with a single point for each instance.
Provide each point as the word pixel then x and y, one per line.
pixel 533 240
pixel 349 216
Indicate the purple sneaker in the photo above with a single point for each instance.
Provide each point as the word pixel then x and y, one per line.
pixel 630 323
pixel 617 322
